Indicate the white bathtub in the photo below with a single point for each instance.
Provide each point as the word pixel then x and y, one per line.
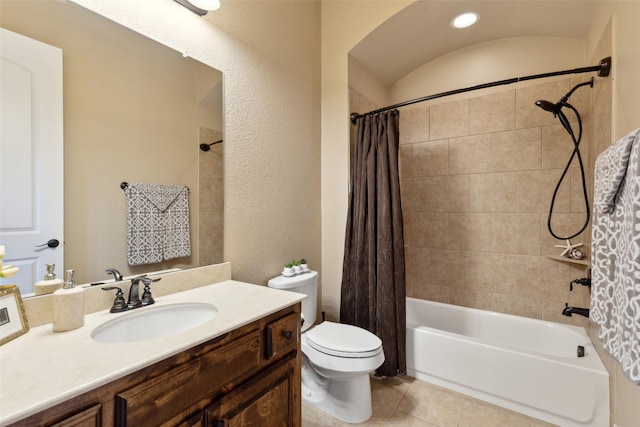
pixel 526 365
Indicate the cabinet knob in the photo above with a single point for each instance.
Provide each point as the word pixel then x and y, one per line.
pixel 287 334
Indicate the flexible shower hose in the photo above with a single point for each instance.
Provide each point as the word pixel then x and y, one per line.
pixel 576 152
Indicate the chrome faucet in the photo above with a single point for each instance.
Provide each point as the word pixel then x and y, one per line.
pixel 568 311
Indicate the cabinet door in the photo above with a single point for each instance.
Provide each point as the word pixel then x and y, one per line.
pixel 265 401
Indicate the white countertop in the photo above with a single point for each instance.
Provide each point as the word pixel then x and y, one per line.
pixel 43 368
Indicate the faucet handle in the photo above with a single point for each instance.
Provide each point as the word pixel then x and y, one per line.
pixel 147 298
pixel 119 304
pixel 147 280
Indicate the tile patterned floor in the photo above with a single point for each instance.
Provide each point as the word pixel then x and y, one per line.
pixel 404 401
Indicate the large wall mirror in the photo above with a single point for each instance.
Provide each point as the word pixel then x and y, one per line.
pixel 134 111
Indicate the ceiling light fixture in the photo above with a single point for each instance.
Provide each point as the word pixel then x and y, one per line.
pixel 465 20
pixel 200 7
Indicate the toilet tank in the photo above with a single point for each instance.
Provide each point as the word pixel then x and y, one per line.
pixel 304 283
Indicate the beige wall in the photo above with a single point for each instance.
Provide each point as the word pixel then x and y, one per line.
pixel 362 81
pixel 626 87
pixel 490 61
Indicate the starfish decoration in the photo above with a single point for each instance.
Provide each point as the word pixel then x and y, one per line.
pixel 568 247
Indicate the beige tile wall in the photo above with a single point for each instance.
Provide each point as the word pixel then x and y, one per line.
pixel 211 201
pixel 477 178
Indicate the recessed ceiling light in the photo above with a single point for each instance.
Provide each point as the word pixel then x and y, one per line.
pixel 465 20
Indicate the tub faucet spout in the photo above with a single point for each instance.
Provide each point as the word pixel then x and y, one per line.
pixel 568 311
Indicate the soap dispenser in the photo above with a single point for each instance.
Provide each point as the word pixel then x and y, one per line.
pixel 49 283
pixel 68 305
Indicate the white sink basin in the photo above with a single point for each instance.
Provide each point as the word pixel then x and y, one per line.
pixel 147 323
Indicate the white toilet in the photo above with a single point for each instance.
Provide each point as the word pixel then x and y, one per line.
pixel 336 358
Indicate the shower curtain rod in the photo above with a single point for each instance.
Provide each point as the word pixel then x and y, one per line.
pixel 603 69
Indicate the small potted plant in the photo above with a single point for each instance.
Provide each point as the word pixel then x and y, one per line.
pixel 303 264
pixel 288 269
pixel 296 267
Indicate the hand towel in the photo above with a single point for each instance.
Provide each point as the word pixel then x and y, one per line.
pixel 157 223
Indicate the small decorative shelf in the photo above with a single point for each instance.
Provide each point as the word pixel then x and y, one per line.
pixel 569 260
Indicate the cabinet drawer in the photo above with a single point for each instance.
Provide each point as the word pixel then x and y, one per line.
pixel 166 396
pixel 282 336
pixel 88 418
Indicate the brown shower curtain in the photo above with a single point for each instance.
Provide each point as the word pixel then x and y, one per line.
pixel 373 274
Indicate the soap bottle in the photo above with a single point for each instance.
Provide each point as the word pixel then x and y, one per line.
pixel 68 305
pixel 49 283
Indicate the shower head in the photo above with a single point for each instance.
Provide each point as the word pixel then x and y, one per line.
pixel 549 106
pixel 556 109
pixel 207 147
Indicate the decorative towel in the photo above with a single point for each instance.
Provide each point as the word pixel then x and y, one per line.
pixel 615 252
pixel 157 223
pixel 612 168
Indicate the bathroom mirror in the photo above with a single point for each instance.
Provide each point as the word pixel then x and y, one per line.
pixel 134 111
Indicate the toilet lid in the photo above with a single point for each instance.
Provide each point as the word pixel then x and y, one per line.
pixel 343 340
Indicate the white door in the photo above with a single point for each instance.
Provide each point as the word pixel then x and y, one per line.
pixel 31 157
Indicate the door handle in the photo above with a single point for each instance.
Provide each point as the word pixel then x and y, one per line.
pixel 53 243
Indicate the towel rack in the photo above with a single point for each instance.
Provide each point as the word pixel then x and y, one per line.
pixel 125 184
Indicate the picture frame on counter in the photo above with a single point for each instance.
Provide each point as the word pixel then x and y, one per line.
pixel 13 319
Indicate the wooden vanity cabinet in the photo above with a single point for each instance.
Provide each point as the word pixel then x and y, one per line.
pixel 249 376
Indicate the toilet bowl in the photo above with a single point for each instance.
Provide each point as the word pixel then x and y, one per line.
pixel 336 358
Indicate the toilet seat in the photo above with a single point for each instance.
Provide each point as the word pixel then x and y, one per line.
pixel 336 367
pixel 342 340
